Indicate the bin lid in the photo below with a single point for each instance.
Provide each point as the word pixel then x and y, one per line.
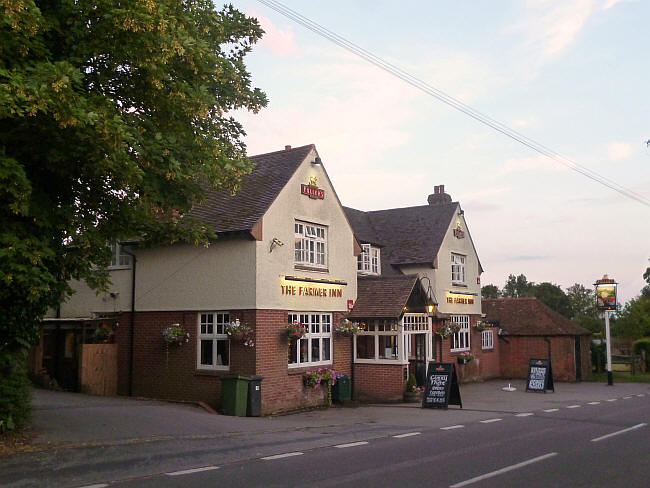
pixel 235 377
pixel 256 378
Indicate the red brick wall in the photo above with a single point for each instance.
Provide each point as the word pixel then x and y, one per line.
pixel 516 354
pixel 486 362
pixel 170 373
pixel 379 382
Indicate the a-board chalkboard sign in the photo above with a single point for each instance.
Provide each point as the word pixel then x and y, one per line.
pixel 540 375
pixel 442 386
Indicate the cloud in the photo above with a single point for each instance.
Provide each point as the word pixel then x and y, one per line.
pixel 618 151
pixel 518 165
pixel 276 40
pixel 550 26
pixel 611 3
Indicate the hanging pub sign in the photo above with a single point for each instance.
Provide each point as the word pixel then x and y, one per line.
pixel 312 190
pixel 442 388
pixel 458 232
pixel 540 375
pixel 606 294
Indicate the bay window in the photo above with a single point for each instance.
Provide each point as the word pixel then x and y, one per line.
pixel 378 341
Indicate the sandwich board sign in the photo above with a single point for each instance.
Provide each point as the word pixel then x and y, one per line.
pixel 442 386
pixel 540 375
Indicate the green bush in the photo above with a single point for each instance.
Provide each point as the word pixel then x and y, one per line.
pixel 643 344
pixel 14 390
pixel 411 382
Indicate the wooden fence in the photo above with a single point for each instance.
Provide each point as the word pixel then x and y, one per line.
pixel 99 369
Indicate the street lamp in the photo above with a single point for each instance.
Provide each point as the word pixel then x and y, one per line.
pixel 606 301
pixel 431 301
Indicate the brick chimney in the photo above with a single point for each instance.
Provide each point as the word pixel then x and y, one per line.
pixel 439 197
pixel 287 147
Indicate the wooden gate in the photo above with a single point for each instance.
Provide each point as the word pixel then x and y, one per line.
pixel 99 369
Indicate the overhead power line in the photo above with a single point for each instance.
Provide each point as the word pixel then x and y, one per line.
pixel 452 102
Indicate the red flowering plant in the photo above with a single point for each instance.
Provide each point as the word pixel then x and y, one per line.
pixel 103 333
pixel 445 329
pixel 295 330
pixel 238 331
pixel 322 376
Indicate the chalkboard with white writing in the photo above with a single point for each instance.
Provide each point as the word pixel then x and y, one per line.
pixel 442 386
pixel 540 375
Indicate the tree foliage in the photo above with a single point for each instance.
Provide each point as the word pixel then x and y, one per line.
pixel 113 122
pixel 517 287
pixel 490 291
pixel 554 297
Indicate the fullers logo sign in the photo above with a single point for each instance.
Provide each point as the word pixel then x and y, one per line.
pixel 312 190
pixel 458 232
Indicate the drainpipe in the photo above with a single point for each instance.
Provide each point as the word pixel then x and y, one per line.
pixel 131 328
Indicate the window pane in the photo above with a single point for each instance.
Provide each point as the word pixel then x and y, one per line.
pixel 365 347
pixel 387 347
pixel 304 344
pixel 206 352
pixel 326 326
pixel 326 349
pixel 315 324
pixel 293 352
pixel 315 350
pixel 223 351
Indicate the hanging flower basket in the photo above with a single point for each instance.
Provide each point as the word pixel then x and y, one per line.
pixel 174 335
pixel 464 358
pixel 239 332
pixel 482 325
pixel 102 334
pixel 295 330
pixel 445 329
pixel 348 328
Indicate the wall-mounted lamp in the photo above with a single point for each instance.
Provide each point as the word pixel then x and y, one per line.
pixel 318 160
pixel 431 300
pixel 275 242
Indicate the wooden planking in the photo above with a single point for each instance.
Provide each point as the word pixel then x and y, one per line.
pixel 99 369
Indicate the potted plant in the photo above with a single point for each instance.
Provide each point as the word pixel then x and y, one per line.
pixel 321 376
pixel 174 335
pixel 102 334
pixel 413 392
pixel 240 332
pixel 464 358
pixel 295 330
pixel 482 325
pixel 348 328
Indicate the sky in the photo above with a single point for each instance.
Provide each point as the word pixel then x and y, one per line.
pixel 570 74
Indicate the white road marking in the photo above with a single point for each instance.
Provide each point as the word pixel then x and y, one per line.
pixel 634 427
pixel 612 399
pixel 524 414
pixel 549 410
pixel 627 398
pixel 280 456
pixel 641 395
pixel 408 434
pixel 593 403
pixel 98 485
pixel 351 444
pixel 451 427
pixel 190 471
pixel 503 470
pixel 573 406
pixel 489 421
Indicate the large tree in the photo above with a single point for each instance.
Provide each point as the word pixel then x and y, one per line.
pixel 490 291
pixel 553 296
pixel 583 307
pixel 517 287
pixel 113 122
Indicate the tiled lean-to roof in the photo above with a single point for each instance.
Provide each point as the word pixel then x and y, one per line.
pixel 382 297
pixel 528 317
pixel 240 212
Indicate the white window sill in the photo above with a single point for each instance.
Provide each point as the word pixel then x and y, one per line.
pixel 395 362
pixel 309 365
pixel 465 349
pixel 113 268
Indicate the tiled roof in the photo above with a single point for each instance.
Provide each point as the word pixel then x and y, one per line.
pixel 383 297
pixel 240 212
pixel 410 235
pixel 528 316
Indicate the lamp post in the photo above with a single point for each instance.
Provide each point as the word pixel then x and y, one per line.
pixel 431 307
pixel 606 301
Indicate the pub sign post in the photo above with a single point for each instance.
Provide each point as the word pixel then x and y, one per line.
pixel 606 301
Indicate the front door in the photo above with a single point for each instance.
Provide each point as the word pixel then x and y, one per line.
pixel 420 358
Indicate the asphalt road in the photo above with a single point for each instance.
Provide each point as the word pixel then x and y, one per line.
pixel 604 444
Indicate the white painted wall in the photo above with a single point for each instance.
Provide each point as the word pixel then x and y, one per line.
pixel 441 277
pixel 278 222
pixel 86 301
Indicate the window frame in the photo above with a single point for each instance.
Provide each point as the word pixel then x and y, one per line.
pixel 369 261
pixel 310 245
pixel 487 339
pixel 215 336
pixel 458 268
pixel 310 336
pixel 119 259
pixel 461 341
pixel 379 329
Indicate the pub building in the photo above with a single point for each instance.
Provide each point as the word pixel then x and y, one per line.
pixel 287 251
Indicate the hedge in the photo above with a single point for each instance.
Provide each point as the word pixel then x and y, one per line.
pixel 15 390
pixel 643 344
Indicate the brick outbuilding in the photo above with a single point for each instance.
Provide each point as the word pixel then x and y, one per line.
pixel 527 328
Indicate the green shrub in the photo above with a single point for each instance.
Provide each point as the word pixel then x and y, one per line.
pixel 643 344
pixel 15 390
pixel 411 382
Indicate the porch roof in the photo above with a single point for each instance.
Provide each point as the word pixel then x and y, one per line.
pixel 383 297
